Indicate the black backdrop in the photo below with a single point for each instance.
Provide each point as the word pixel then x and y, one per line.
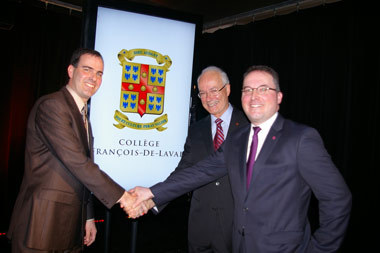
pixel 328 61
pixel 328 58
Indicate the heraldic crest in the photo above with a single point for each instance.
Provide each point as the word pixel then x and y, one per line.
pixel 142 89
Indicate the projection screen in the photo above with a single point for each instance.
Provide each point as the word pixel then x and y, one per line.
pixel 140 114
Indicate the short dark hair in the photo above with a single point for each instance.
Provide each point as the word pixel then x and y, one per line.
pixel 81 51
pixel 266 69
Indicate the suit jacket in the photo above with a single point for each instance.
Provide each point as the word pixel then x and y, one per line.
pixel 271 216
pixel 53 201
pixel 211 209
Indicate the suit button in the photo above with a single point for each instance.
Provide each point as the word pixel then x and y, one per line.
pixel 245 209
pixel 217 183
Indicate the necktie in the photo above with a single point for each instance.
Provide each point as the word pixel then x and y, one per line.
pixel 219 136
pixel 252 154
pixel 85 120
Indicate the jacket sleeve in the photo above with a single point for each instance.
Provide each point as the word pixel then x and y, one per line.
pixel 186 161
pixel 190 178
pixel 57 127
pixel 329 187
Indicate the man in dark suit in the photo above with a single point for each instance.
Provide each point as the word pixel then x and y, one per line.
pixel 211 210
pixel 53 211
pixel 291 163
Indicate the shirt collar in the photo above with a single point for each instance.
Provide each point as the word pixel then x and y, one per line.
pixel 226 116
pixel 78 101
pixel 267 124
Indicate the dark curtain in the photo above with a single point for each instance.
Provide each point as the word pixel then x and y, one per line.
pixel 328 59
pixel 35 54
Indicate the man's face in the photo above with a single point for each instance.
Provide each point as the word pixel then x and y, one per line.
pixel 216 103
pixel 86 78
pixel 259 108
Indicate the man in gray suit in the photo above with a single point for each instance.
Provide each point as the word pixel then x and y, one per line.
pixel 274 165
pixel 53 211
pixel 211 210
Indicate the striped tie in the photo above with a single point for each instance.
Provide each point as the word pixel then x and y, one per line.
pixel 85 119
pixel 219 136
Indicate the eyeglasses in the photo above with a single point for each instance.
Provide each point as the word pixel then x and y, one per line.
pixel 261 90
pixel 213 92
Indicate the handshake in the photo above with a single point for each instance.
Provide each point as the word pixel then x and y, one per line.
pixel 137 201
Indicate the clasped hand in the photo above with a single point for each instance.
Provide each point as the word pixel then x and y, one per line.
pixel 137 201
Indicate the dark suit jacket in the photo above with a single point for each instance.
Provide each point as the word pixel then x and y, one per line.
pixel 272 215
pixel 211 209
pixel 51 207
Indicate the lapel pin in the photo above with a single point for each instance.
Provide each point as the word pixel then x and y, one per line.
pixel 273 137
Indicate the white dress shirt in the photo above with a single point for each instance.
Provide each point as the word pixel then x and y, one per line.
pixel 262 135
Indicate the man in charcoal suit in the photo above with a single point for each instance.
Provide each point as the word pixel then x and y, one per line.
pixel 274 165
pixel 211 210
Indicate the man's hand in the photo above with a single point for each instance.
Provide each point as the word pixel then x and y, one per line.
pixel 149 204
pixel 126 201
pixel 90 230
pixel 142 194
pixel 143 201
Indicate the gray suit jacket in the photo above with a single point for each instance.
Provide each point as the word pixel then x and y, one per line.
pixel 272 215
pixel 52 204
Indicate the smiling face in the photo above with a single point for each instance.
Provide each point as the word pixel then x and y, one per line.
pixel 86 78
pixel 216 104
pixel 259 108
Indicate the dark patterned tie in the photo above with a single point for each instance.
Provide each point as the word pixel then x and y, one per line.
pixel 219 136
pixel 85 120
pixel 252 154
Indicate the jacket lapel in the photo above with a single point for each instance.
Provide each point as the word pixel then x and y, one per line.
pixel 91 140
pixel 205 135
pixel 271 140
pixel 237 119
pixel 78 119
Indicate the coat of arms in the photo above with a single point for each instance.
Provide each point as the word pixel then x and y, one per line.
pixel 142 88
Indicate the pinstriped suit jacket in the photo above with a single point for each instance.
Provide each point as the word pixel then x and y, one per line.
pixel 54 198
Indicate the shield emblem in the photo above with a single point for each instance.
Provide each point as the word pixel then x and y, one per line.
pixel 143 85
